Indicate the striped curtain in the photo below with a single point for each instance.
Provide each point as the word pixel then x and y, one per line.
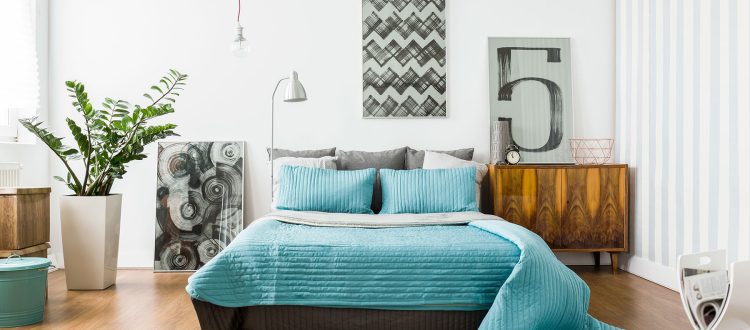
pixel 683 124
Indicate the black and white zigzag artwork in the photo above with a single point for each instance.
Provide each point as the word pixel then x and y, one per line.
pixel 403 56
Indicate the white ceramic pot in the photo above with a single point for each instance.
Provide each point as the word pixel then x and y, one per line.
pixel 91 238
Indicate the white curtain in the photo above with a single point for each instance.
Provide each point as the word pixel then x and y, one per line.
pixel 19 72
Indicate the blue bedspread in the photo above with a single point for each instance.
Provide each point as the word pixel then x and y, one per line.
pixel 488 264
pixel 430 267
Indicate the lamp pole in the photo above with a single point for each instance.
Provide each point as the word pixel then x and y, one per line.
pixel 273 103
pixel 295 92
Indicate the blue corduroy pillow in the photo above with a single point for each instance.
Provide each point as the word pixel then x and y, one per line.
pixel 316 189
pixel 429 191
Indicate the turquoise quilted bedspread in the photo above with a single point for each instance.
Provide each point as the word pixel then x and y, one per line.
pixel 488 264
pixel 429 267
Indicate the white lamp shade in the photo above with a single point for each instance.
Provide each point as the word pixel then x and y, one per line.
pixel 295 92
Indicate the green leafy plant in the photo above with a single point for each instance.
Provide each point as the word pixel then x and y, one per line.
pixel 109 138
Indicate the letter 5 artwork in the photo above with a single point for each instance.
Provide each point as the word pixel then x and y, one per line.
pixel 530 86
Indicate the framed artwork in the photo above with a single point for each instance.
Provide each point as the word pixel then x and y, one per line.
pixel 403 58
pixel 199 197
pixel 530 87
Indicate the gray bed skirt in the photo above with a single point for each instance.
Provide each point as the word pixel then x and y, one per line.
pixel 212 316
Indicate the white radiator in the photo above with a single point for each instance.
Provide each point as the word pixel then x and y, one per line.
pixel 10 174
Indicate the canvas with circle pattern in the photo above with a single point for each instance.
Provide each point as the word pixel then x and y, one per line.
pixel 199 197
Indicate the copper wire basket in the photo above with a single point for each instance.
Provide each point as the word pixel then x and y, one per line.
pixel 591 151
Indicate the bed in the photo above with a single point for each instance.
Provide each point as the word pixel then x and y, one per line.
pixel 460 270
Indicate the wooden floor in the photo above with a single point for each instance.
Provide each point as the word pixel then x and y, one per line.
pixel 630 302
pixel 144 300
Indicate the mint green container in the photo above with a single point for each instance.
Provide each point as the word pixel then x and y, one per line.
pixel 23 288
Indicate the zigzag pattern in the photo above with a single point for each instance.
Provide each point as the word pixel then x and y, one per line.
pixel 403 55
pixel 404 27
pixel 432 51
pixel 391 80
pixel 408 108
pixel 413 93
pixel 401 4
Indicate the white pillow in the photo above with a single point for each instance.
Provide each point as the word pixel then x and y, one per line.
pixel 435 160
pixel 326 162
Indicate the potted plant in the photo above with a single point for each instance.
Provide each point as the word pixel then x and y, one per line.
pixel 107 139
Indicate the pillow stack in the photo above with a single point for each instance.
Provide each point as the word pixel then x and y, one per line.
pixel 434 160
pixel 357 160
pixel 402 180
pixel 415 158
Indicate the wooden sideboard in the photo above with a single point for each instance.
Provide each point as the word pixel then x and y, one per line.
pixel 574 208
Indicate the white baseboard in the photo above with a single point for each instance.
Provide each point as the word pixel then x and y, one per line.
pixel 53 262
pixel 665 276
pixel 56 258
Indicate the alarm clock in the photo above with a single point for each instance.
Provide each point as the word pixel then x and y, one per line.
pixel 512 154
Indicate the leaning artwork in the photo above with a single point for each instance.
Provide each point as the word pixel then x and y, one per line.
pixel 530 88
pixel 199 197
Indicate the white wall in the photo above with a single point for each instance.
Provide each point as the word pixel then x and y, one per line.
pixel 118 48
pixel 683 121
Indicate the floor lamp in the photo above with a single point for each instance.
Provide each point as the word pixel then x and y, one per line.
pixel 295 92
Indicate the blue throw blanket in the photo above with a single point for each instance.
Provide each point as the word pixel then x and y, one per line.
pixel 541 293
pixel 487 264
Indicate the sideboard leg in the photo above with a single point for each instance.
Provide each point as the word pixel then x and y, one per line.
pixel 597 259
pixel 615 258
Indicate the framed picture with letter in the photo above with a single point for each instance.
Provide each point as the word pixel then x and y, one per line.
pixel 530 87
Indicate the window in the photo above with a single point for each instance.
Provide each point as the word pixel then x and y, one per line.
pixel 19 70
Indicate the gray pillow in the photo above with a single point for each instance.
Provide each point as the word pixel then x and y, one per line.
pixel 358 160
pixel 278 153
pixel 415 158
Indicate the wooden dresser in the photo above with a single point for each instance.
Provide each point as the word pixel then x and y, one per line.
pixel 574 208
pixel 24 221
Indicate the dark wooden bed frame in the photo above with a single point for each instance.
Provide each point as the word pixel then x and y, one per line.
pixel 212 316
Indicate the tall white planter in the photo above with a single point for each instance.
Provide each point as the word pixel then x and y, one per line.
pixel 91 238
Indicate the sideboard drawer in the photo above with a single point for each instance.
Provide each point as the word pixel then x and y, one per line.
pixel 530 198
pixel 595 208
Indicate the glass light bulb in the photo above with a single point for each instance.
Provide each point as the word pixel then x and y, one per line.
pixel 240 45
